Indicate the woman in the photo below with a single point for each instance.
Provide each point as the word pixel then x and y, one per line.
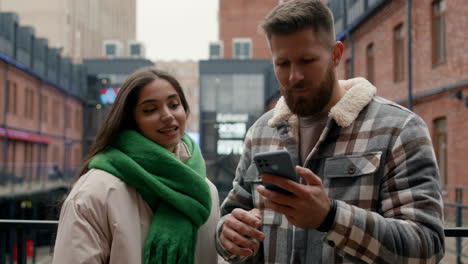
pixel 141 195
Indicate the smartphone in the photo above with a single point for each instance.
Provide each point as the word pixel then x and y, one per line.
pixel 277 163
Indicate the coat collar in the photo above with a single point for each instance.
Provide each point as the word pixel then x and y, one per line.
pixel 359 93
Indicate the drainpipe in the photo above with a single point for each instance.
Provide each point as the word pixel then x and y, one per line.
pixel 348 36
pixel 4 125
pixel 410 76
pixel 39 131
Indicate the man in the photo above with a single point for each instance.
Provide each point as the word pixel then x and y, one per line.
pixel 369 190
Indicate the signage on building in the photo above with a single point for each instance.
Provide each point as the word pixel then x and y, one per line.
pixel 220 117
pixel 108 95
pixel 231 132
pixel 227 146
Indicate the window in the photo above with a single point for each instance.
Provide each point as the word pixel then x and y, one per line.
pixel 440 147
pixel 216 50
pixel 55 118
pixel 370 63
pixel 44 154
pixel 348 69
pixel 398 52
pixel 69 157
pixel 29 105
pixel 242 48
pixel 68 115
pixel 77 157
pixel 11 155
pixel 439 48
pixel 44 109
pixel 55 155
pixel 135 50
pixel 111 50
pixel 28 161
pixel 11 98
pixel 77 120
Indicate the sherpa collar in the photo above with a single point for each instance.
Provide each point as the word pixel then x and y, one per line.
pixel 359 93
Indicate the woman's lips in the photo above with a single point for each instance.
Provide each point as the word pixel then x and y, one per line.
pixel 168 131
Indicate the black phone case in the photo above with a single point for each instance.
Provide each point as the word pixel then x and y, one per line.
pixel 276 163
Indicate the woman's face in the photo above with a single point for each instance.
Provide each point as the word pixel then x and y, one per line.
pixel 159 114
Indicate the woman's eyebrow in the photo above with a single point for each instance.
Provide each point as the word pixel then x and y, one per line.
pixel 154 100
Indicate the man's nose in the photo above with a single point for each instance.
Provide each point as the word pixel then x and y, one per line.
pixel 295 75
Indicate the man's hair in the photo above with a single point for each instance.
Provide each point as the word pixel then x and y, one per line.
pixel 295 15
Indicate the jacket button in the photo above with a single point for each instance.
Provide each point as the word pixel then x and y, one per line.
pixel 351 170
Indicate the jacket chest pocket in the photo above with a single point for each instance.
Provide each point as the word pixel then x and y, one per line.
pixel 353 179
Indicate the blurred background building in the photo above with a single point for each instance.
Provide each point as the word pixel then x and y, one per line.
pixel 81 28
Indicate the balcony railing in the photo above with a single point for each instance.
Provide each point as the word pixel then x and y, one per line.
pixel 17 233
pixel 26 178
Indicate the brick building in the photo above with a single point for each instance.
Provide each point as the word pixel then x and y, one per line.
pixel 374 33
pixel 41 121
pixel 376 47
pixel 81 29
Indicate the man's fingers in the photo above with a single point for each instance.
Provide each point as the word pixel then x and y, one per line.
pixel 239 232
pixel 257 213
pixel 308 176
pixel 237 243
pixel 251 218
pixel 243 227
pixel 279 181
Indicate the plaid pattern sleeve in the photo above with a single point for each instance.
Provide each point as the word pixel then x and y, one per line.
pixel 406 226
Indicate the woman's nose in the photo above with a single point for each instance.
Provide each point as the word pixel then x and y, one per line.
pixel 166 115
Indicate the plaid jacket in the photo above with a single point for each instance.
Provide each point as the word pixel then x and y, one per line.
pixel 376 159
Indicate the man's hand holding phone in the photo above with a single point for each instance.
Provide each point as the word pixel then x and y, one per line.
pixel 239 232
pixel 306 206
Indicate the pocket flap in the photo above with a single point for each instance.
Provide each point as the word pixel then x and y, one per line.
pixel 352 165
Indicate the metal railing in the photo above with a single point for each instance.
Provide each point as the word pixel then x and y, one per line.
pixel 456 217
pixel 26 178
pixel 18 232
pixel 14 237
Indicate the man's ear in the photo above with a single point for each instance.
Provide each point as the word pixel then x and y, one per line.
pixel 337 53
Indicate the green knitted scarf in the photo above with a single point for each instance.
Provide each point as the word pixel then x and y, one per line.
pixel 176 191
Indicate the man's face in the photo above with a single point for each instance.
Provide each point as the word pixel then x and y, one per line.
pixel 303 66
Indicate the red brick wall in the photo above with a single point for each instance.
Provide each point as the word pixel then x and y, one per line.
pixel 2 91
pixel 23 83
pixel 426 77
pixel 55 106
pixel 241 19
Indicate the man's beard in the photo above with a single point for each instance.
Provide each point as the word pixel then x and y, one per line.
pixel 317 98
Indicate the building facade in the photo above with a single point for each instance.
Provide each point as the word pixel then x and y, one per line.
pixel 376 39
pixel 232 97
pixel 79 28
pixel 41 117
pixel 410 50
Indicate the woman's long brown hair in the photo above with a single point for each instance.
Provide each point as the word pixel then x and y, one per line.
pixel 120 116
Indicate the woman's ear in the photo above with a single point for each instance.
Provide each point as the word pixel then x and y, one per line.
pixel 337 53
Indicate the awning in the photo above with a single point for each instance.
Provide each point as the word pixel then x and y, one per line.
pixel 24 136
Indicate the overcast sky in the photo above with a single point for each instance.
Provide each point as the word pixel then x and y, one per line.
pixel 177 29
